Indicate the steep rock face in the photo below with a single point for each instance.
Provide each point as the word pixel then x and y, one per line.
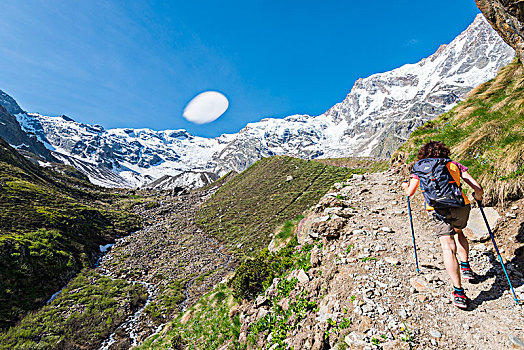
pixel 507 17
pixel 11 132
pixel 9 103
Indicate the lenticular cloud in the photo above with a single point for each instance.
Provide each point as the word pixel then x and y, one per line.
pixel 206 107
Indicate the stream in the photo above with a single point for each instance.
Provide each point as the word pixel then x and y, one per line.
pixel 130 328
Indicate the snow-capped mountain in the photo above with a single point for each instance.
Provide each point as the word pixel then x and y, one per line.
pixel 187 180
pixel 377 115
pixel 133 156
pixel 381 110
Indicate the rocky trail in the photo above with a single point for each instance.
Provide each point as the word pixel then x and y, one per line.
pixel 172 258
pixel 364 271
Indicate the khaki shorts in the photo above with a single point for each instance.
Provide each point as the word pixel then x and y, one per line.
pixel 445 221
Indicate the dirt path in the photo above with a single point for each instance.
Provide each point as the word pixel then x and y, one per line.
pixel 173 257
pixel 493 316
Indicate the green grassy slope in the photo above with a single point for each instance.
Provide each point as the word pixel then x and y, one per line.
pixel 249 207
pixel 485 132
pixel 51 225
pixel 85 313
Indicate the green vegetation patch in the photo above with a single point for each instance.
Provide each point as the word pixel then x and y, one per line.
pixel 167 303
pixel 51 226
pixel 248 208
pixel 207 327
pixel 485 133
pixel 255 275
pixel 212 322
pixel 85 313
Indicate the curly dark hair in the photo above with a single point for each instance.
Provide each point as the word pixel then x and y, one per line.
pixel 433 149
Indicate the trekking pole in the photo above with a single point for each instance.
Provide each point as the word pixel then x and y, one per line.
pixel 413 234
pixel 497 249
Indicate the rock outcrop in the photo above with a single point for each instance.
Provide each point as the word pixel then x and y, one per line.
pixel 507 17
pixel 11 132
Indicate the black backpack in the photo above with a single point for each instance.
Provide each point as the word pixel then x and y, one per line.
pixel 438 186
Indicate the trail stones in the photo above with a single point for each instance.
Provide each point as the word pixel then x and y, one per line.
pixel 344 213
pixel 396 344
pixel 323 218
pixel 302 276
pixel 516 341
pixel 260 300
pixel 284 304
pixel 390 260
pixel 315 257
pixel 476 229
pixel 355 338
pixel 435 334
pixel 420 284
pixel 358 177
pixel 329 229
pixel 329 202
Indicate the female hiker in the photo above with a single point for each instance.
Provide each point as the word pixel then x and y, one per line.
pixel 447 207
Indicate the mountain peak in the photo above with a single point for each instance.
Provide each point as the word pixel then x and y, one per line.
pixel 376 116
pixel 9 103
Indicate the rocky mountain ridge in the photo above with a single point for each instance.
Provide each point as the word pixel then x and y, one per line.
pixel 373 120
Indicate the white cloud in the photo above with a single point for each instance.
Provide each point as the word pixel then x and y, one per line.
pixel 206 107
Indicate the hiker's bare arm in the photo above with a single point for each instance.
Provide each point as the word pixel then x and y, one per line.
pixel 410 187
pixel 474 185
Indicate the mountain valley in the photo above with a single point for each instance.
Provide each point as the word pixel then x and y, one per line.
pixel 291 234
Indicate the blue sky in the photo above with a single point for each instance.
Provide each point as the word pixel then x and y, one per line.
pixel 137 63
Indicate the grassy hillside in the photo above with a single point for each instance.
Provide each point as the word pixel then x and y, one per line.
pixel 85 313
pixel 210 323
pixel 485 132
pixel 249 207
pixel 51 226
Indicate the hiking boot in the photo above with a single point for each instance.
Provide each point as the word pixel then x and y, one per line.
pixel 468 274
pixel 460 301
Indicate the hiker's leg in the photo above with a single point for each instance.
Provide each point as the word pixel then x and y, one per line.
pixel 449 251
pixel 462 245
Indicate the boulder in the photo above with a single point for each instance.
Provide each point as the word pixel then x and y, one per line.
pixel 476 230
pixel 329 229
pixel 302 276
pixel 507 18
